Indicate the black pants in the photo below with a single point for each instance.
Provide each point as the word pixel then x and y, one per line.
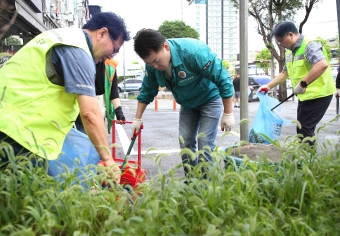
pixel 309 114
pixel 17 148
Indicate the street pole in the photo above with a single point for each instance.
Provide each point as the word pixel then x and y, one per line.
pixel 338 13
pixel 125 95
pixel 272 75
pixel 244 128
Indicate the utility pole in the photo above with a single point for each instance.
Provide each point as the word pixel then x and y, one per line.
pixel 338 13
pixel 244 129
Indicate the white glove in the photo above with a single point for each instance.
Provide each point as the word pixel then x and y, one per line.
pixel 227 121
pixel 136 126
pixel 299 90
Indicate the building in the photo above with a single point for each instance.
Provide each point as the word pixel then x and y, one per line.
pixel 32 17
pixel 217 23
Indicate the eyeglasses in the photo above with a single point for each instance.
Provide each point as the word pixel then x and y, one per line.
pixel 116 51
pixel 279 42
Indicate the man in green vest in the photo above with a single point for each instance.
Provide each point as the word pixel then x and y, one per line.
pixel 308 68
pixel 51 80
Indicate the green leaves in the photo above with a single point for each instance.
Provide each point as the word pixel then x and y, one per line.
pixel 177 29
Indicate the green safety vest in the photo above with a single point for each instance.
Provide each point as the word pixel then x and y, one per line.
pixel 298 67
pixel 34 112
pixel 110 70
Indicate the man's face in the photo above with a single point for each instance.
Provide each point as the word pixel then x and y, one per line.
pixel 161 59
pixel 104 47
pixel 287 41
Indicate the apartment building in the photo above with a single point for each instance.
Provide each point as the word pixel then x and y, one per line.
pixel 217 23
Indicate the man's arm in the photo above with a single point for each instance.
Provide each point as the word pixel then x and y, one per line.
pixel 227 104
pixel 317 70
pixel 116 102
pixel 280 78
pixel 94 125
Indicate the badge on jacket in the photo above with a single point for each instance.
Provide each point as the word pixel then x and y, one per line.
pixel 182 74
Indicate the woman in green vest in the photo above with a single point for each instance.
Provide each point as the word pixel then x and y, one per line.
pixel 308 68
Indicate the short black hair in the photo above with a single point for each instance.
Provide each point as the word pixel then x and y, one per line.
pixel 284 27
pixel 113 22
pixel 148 41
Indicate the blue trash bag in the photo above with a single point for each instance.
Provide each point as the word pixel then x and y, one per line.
pixel 267 122
pixel 77 153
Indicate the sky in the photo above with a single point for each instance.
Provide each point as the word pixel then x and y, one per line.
pixel 140 14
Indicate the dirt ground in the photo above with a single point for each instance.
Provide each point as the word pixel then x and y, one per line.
pixel 271 152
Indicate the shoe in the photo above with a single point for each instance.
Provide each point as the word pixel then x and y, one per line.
pixel 235 106
pixel 238 106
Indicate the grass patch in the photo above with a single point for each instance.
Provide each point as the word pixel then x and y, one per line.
pixel 298 196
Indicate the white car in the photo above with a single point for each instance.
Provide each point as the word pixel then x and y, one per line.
pixel 134 84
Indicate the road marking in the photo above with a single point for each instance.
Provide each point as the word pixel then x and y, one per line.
pixel 124 139
pixel 125 142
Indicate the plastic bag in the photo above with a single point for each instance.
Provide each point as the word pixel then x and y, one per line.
pixel 77 153
pixel 266 122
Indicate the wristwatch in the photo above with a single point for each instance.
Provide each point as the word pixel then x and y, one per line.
pixel 303 84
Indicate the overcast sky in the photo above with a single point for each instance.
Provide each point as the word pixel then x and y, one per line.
pixel 140 14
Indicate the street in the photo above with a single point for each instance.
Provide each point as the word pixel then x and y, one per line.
pixel 161 132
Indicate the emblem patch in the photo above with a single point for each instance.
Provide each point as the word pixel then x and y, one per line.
pixel 182 74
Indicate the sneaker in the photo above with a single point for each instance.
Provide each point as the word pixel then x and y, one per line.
pixel 238 106
pixel 235 106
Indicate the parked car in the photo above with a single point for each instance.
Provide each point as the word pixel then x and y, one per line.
pixel 134 84
pixel 256 81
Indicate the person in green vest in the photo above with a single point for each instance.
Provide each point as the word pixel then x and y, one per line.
pixel 106 83
pixel 308 68
pixel 51 80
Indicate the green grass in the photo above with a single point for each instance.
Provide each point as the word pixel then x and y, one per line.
pixel 300 196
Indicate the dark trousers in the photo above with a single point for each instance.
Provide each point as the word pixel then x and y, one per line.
pixel 17 148
pixel 309 114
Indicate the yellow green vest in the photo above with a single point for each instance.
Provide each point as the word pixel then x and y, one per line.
pixel 35 112
pixel 298 67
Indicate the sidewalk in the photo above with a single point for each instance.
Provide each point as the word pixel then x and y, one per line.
pixel 287 110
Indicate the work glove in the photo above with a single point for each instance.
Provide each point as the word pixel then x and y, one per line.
pixel 299 90
pixel 113 170
pixel 136 126
pixel 119 113
pixel 337 94
pixel 227 121
pixel 263 89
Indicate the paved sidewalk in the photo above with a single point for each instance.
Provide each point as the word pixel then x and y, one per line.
pixel 160 133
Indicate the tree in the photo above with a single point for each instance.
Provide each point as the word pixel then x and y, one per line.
pixel 225 64
pixel 267 13
pixel 263 60
pixel 177 29
pixel 7 9
pixel 11 41
pixel 326 46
